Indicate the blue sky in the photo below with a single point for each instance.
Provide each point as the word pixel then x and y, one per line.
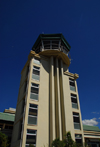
pixel 79 22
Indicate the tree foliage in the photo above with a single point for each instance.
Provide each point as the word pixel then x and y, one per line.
pixel 67 142
pixel 3 140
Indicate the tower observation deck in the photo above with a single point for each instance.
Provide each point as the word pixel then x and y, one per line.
pixel 53 45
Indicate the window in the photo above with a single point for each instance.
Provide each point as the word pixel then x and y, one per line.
pixel 31 137
pixel 32 116
pixel 76 120
pixel 36 61
pixel 74 101
pixel 36 73
pixel 78 138
pixel 8 127
pixel 72 84
pixel 34 91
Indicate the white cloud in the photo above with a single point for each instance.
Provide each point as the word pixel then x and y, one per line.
pixel 99 118
pixel 90 122
pixel 95 112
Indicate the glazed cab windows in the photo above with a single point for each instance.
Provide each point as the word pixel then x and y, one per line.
pixel 36 73
pixel 72 84
pixel 34 91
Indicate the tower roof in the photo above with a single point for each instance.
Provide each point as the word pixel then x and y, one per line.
pixel 51 37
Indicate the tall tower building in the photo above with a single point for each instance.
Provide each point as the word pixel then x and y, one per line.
pixel 48 102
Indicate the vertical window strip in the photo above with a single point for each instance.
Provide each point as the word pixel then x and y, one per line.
pixel 31 137
pixel 74 101
pixel 34 91
pixel 76 120
pixel 72 84
pixel 36 73
pixel 32 116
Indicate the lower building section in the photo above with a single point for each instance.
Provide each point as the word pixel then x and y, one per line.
pixel 48 104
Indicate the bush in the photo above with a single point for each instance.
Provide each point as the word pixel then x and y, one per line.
pixel 67 142
pixel 3 140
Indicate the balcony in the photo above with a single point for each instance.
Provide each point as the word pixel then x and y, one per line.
pixel 53 45
pixel 55 50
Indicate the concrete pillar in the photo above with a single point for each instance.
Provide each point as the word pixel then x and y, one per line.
pixel 62 100
pixel 58 98
pixel 51 104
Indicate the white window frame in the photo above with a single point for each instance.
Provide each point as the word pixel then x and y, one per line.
pixel 75 97
pixel 36 74
pixel 36 68
pixel 30 134
pixel 35 87
pixel 71 80
pixel 76 122
pixel 34 109
pixel 35 59
pixel 37 94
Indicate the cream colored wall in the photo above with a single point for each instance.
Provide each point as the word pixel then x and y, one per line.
pixel 79 110
pixel 26 107
pixel 23 76
pixel 42 126
pixel 68 106
pixel 43 107
pixel 19 110
pixel 21 91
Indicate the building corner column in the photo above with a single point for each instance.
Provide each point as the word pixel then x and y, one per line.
pixel 51 103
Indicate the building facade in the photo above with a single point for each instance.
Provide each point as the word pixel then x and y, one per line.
pixel 6 123
pixel 48 102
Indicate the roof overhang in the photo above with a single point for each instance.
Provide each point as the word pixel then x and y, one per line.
pixel 51 37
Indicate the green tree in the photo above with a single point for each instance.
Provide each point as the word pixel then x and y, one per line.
pixel 69 142
pixel 57 143
pixel 3 140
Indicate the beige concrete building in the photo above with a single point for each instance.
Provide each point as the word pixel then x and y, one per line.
pixel 48 102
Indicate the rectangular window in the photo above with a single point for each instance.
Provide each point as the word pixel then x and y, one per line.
pixel 78 138
pixel 72 84
pixel 76 120
pixel 34 91
pixel 74 101
pixel 36 61
pixel 36 73
pixel 31 137
pixel 32 116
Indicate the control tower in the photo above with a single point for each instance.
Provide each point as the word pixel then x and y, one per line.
pixel 48 102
